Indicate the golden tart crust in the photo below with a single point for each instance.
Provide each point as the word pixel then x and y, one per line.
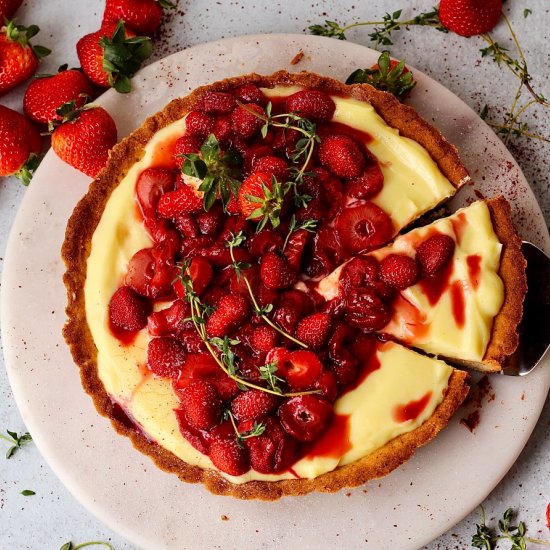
pixel 76 249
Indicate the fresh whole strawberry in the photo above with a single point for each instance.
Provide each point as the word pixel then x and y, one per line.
pixel 229 457
pixel 84 137
pixel 18 57
pixel 434 253
pixel 342 156
pixel 111 56
pixel 20 144
pixel 314 330
pixel 245 123
pixel 232 312
pixel 263 339
pixel 128 310
pixel 181 201
pixel 253 193
pixel 253 404
pixel 8 8
pixel 144 16
pixel 201 404
pixel 185 145
pixel 469 17
pixel 276 272
pixel 311 104
pixel 399 271
pixel 46 94
pixel 305 417
pixel 165 356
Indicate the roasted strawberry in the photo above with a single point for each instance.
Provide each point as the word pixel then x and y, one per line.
pixel 211 223
pixel 368 184
pixel 263 242
pixel 342 155
pixel 222 129
pixel 186 145
pixel 229 457
pixel 112 55
pixel 275 271
pixel 295 247
pixel 359 272
pixel 363 227
pixel 327 385
pixel 434 253
pixel 469 17
pixel 200 272
pixel 232 311
pixel 198 124
pixel 8 8
pixel 399 271
pixel 273 165
pixel 151 184
pixel 46 94
pixel 340 352
pixel 181 201
pixel 18 58
pixel 250 93
pixel 84 138
pixel 20 144
pixel 201 404
pixel 144 16
pixel 305 417
pixel 168 320
pixel 128 310
pixel 165 356
pixel 311 104
pixel 253 404
pixel 300 369
pixel 314 330
pixel 247 120
pixel 140 272
pixel 366 310
pixel 216 103
pixel 263 339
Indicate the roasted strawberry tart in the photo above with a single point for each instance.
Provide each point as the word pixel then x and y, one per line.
pixel 240 305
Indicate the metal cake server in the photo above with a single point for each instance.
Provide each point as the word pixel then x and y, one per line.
pixel 534 329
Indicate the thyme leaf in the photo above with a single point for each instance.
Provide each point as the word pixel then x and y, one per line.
pixel 17 441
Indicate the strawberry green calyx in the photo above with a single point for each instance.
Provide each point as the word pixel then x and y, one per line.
pixel 22 35
pixel 26 172
pixel 386 75
pixel 67 113
pixel 166 4
pixel 122 57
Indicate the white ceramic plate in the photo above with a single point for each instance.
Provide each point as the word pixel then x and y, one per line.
pixel 152 509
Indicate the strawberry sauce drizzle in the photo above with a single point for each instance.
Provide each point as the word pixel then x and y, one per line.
pixel 335 441
pixel 459 224
pixel 458 301
pixel 474 269
pixel 125 337
pixel 163 156
pixel 434 287
pixel 413 318
pixel 371 365
pixel 340 128
pixel 412 410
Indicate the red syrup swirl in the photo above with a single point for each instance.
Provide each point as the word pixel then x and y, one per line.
pixel 434 287
pixel 458 302
pixel 474 269
pixel 411 410
pixel 335 441
pixel 459 224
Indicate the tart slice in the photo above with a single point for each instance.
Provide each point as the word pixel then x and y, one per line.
pixel 182 262
pixel 453 288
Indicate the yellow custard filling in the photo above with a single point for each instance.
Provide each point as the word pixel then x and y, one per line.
pixel 404 376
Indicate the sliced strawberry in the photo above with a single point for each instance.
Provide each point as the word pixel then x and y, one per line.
pixel 276 272
pixel 253 404
pixel 300 369
pixel 399 271
pixel 245 123
pixel 311 104
pixel 198 124
pixel 168 320
pixel 229 457
pixel 183 200
pixel 232 311
pixel 201 404
pixel 342 155
pixel 314 330
pixel 434 253
pixel 295 247
pixel 363 227
pixel 151 184
pixel 305 417
pixel 128 310
pixel 165 356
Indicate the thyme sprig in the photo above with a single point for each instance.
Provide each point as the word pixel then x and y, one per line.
pixel 307 225
pixel 232 243
pixel 257 429
pixel 218 170
pixel 267 373
pixel 17 441
pixel 70 546
pixel 486 538
pixel 381 34
pixel 226 360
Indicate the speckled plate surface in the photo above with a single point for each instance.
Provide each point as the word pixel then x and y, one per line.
pixel 152 509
